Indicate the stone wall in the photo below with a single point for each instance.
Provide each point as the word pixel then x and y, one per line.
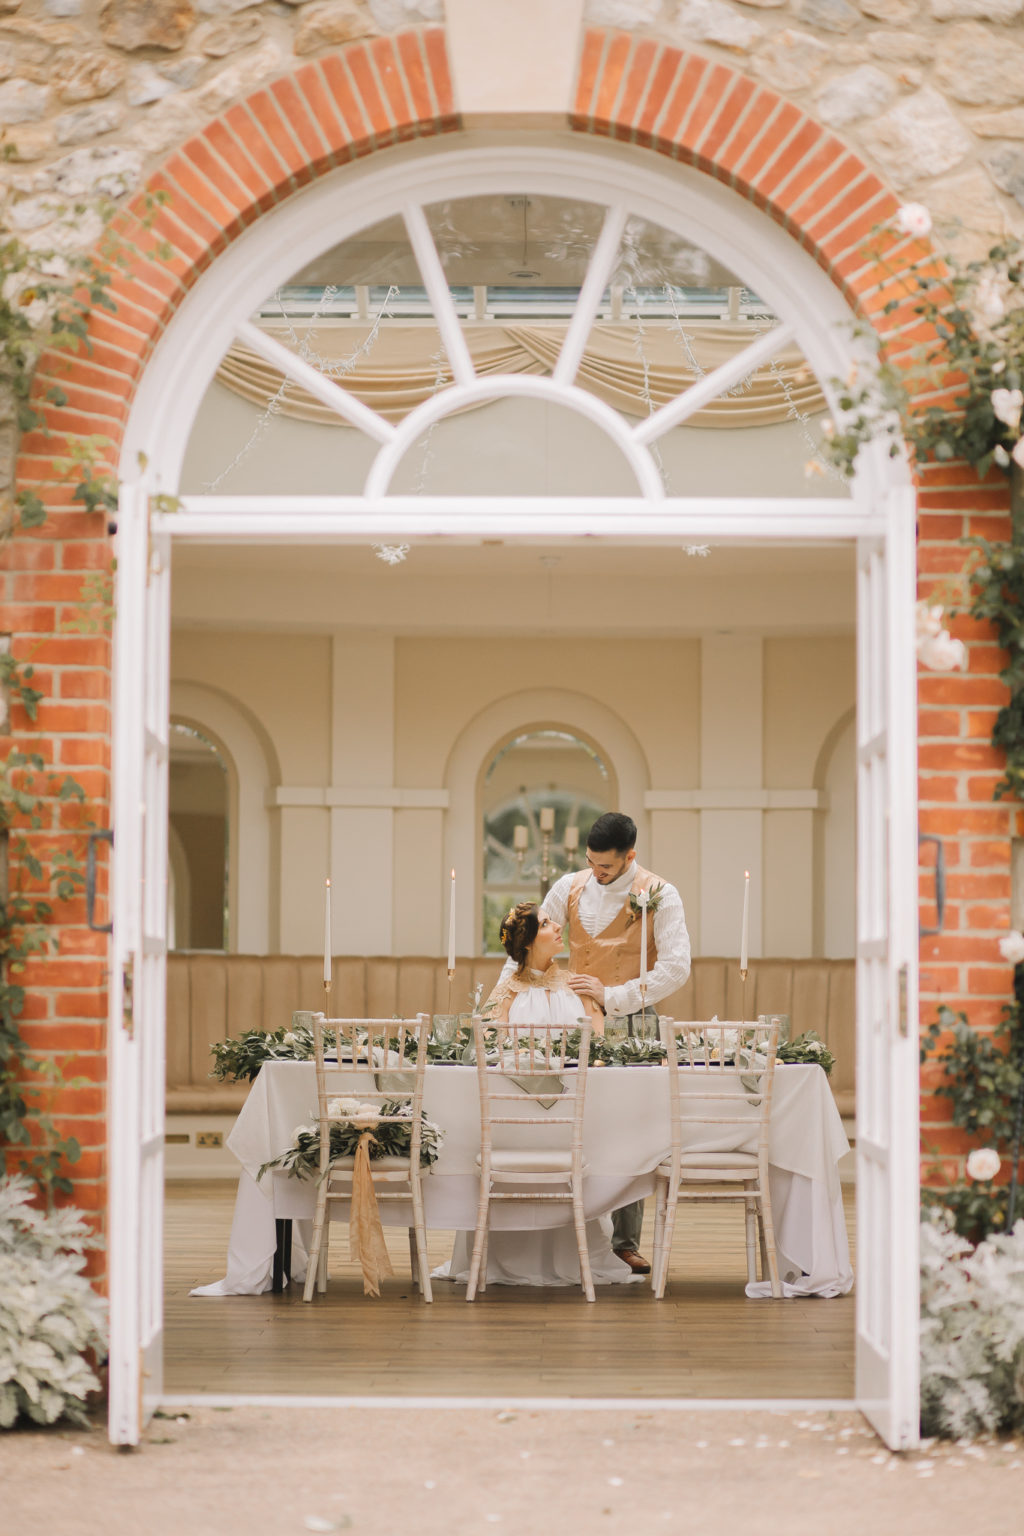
pixel 93 93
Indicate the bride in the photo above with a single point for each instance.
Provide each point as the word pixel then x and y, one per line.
pixel 538 992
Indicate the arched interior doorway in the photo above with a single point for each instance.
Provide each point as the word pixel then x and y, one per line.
pixel 786 282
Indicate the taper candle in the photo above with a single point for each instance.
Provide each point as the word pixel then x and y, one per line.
pixel 643 938
pixel 327 931
pixel 521 838
pixel 745 931
pixel 572 839
pixel 451 928
pixel 547 819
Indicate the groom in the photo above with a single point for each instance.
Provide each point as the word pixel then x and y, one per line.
pixel 604 953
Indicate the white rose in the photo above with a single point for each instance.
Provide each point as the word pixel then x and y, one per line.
pixel 929 619
pixel 1001 456
pixel 815 1046
pixel 300 1130
pixel 342 1109
pixel 983 1163
pixel 1018 453
pixel 288 1038
pixel 1007 405
pixel 942 654
pixel 366 1116
pixel 914 219
pixel 1011 947
pixel 988 299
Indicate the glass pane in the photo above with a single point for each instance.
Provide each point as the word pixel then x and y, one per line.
pixel 360 315
pixel 542 793
pixel 198 842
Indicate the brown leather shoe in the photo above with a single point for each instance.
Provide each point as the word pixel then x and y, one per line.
pixel 637 1263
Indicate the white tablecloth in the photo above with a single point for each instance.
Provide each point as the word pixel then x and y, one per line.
pixel 626 1136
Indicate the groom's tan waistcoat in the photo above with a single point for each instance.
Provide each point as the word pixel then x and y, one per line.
pixel 613 955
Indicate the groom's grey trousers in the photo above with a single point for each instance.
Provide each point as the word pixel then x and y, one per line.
pixel 627 1223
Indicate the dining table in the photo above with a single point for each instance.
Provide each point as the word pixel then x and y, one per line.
pixel 626 1135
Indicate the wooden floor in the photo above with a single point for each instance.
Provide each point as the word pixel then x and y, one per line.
pixel 705 1339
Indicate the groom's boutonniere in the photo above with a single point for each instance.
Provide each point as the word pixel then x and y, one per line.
pixel 654 895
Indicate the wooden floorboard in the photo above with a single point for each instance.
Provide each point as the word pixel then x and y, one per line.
pixel 705 1339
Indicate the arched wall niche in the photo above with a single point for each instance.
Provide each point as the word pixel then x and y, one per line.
pixel 252 771
pixel 493 728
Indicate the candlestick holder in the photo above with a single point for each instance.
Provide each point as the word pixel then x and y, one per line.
pixel 743 994
pixel 451 974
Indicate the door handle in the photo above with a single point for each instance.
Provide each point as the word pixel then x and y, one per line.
pixel 940 880
pixel 106 836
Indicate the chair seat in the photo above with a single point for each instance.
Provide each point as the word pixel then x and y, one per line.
pixel 692 1162
pixel 534 1161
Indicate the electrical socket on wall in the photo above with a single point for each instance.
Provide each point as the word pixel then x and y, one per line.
pixel 209 1138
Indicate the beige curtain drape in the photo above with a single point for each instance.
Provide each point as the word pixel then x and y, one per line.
pixel 403 365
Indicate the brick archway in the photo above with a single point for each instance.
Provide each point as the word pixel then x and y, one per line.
pixel 397 88
pixel 251 159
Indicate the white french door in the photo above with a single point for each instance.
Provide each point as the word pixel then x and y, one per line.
pixel 137 973
pixel 219 312
pixel 887 1052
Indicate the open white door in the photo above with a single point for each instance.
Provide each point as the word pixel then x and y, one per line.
pixel 887 1052
pixel 138 951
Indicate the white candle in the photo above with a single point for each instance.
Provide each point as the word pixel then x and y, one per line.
pixel 572 839
pixel 744 935
pixel 451 928
pixel 521 838
pixel 327 931
pixel 547 819
pixel 643 938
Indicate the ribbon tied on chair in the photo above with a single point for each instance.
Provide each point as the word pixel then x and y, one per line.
pixel 367 1247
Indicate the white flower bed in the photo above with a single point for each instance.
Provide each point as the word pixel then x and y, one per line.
pixel 972 1332
pixel 49 1313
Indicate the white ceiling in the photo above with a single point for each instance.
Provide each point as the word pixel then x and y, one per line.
pixel 507 589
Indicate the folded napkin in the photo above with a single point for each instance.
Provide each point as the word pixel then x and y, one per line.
pixel 548 1083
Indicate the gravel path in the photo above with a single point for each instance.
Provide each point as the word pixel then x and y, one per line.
pixel 287 1471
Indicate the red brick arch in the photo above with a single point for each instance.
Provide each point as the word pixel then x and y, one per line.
pixel 253 157
pixel 396 88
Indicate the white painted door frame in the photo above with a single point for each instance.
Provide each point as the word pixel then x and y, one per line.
pixel 217 312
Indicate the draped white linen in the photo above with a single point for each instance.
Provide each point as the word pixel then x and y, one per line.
pixel 403 365
pixel 626 1135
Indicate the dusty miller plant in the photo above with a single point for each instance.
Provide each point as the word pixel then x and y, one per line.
pixel 972 1331
pixel 50 1316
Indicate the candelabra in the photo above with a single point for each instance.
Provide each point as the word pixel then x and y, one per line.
pixel 545 870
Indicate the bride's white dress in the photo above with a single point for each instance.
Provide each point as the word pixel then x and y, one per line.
pixel 548 1256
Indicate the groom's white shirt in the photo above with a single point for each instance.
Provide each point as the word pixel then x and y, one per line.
pixel 599 906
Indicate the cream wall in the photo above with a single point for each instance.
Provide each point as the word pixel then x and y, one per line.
pixel 725 746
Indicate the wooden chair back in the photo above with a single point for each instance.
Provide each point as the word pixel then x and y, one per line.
pixel 364 1050
pixel 729 1072
pixel 522 1051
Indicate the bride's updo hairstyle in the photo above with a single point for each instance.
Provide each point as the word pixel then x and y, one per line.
pixel 519 928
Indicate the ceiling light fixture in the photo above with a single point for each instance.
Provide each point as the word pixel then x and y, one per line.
pixel 524 273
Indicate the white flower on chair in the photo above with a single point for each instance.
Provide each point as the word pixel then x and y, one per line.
pixel 342 1109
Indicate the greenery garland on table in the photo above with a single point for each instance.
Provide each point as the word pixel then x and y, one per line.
pixel 240 1059
pixel 390 1138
